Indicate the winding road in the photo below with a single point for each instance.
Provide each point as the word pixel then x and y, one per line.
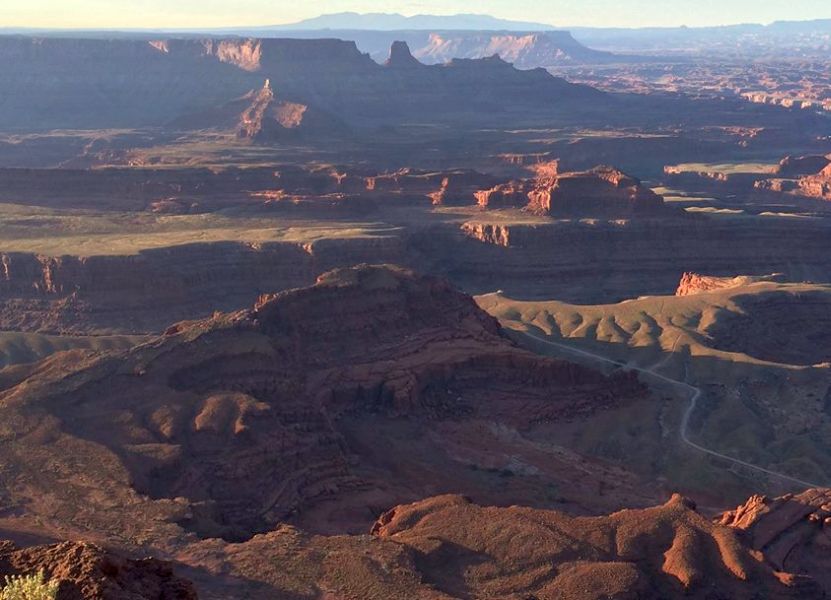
pixel 695 394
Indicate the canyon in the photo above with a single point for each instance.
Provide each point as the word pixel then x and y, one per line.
pixel 304 418
pixel 414 314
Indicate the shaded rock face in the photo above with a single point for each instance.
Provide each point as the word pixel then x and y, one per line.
pixel 793 532
pixel 177 78
pixel 665 552
pixel 268 119
pixel 257 416
pixel 87 572
pixel 601 191
pixel 817 186
pixel 799 166
pixel 401 58
pixel 804 176
pixel 777 326
pixel 693 283
pixel 82 294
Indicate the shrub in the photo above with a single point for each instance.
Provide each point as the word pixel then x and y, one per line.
pixel 29 587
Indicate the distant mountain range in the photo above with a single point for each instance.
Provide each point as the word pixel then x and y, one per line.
pixel 352 21
pixel 439 38
pixel 396 22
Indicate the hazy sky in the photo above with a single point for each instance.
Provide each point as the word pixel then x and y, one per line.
pixel 203 13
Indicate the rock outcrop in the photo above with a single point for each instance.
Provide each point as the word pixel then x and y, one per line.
pixel 800 166
pixel 447 547
pixel 597 262
pixel 602 191
pixel 779 325
pixel 269 119
pixel 88 572
pixel 693 283
pixel 401 58
pixel 525 51
pixel 793 532
pixel 669 551
pixel 816 186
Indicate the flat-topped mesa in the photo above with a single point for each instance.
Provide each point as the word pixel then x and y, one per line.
pixel 817 186
pixel 603 192
pixel 188 76
pixel 694 283
pixel 401 57
pixel 801 166
pixel 317 55
pixel 524 50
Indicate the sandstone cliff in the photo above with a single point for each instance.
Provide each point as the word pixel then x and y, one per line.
pixel 602 192
pixel 525 51
pixel 172 79
pixel 817 186
pixel 693 283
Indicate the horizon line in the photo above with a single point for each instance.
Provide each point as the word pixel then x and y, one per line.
pixel 296 25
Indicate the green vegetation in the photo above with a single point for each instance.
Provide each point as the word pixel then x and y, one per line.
pixel 726 168
pixel 79 232
pixel 29 587
pixel 19 347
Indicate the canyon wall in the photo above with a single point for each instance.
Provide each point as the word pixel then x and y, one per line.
pixel 149 291
pixel 601 262
pixel 97 83
pixel 583 262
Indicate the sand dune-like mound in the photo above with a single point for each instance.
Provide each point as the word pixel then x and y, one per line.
pixel 787 326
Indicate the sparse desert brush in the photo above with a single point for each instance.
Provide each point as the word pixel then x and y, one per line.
pixel 29 587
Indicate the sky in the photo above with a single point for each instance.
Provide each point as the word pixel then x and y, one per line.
pixel 561 13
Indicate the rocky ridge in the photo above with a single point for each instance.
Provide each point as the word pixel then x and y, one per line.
pixel 693 283
pixel 244 420
pixel 88 572
pixel 173 80
pixel 447 548
pixel 793 532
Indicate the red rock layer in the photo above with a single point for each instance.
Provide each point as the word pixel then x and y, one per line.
pixel 260 416
pixel 87 572
pixel 693 283
pixel 817 186
pixel 603 192
pixel 665 552
pixel 793 532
